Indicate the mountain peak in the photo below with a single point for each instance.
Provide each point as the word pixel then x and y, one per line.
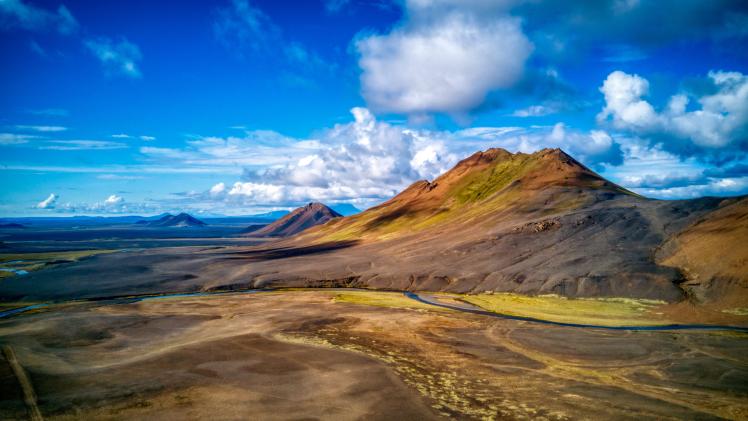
pixel 309 215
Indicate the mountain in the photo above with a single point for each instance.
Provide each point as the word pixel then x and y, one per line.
pixel 297 221
pixel 538 223
pixel 181 220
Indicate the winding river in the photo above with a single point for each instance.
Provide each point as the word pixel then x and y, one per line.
pixel 411 295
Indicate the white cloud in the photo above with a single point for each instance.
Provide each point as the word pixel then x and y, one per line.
pixel 623 103
pixel 127 136
pixel 441 59
pixel 534 111
pixel 113 200
pixel 366 159
pixel 79 145
pixel 713 187
pixel 43 129
pixel 258 148
pixel 217 189
pixel 17 13
pixel 594 147
pixel 15 138
pixel 720 121
pixel 119 58
pixel 49 202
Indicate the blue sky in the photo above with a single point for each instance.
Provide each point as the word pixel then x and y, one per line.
pixel 239 107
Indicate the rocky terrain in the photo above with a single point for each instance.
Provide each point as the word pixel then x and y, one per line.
pixel 297 221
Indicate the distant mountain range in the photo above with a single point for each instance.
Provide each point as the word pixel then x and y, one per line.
pixel 538 223
pixel 297 221
pixel 178 221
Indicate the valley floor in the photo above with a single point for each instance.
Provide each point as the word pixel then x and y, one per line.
pixel 331 354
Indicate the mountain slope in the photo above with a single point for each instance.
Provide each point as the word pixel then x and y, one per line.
pixel 712 253
pixel 178 221
pixel 297 221
pixel 538 223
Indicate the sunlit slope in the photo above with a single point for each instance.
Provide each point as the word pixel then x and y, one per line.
pixel 490 183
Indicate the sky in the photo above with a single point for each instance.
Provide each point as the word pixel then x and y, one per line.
pixel 238 107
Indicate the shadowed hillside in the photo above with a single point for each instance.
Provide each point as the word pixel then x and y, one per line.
pixel 297 221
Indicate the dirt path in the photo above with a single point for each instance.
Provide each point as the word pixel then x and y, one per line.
pixel 29 396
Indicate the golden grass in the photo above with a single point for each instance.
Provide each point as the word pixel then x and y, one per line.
pixel 382 299
pixel 737 311
pixel 593 311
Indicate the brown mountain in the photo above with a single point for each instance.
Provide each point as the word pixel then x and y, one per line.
pixel 529 223
pixel 179 221
pixel 297 221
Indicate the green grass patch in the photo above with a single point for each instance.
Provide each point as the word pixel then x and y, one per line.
pixel 382 299
pixel 594 311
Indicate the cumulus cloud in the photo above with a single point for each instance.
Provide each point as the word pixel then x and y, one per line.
pixel 652 171
pixel 20 14
pixel 594 147
pixel 363 160
pixel 217 189
pixel 716 127
pixel 441 60
pixel 49 202
pixel 367 161
pixel 113 200
pixel 118 57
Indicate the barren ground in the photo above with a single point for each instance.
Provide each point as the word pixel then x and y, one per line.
pixel 323 355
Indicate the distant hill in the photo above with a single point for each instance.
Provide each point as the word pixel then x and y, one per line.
pixel 297 221
pixel 169 220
